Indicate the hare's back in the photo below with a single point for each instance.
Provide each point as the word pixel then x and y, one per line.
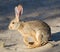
pixel 37 25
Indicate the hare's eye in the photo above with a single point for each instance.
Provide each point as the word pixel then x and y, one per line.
pixel 13 22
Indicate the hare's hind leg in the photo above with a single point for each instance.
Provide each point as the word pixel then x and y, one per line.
pixel 35 43
pixel 45 37
pixel 37 40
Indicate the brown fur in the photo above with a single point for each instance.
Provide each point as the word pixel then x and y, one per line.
pixel 38 30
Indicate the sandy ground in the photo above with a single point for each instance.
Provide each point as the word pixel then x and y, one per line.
pixel 46 10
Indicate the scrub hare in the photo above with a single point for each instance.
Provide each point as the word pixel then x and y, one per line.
pixel 38 30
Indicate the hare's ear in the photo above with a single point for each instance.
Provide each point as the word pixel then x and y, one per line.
pixel 18 11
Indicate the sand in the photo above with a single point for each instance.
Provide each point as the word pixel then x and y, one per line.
pixel 48 11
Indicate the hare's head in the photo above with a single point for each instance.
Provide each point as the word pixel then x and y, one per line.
pixel 14 24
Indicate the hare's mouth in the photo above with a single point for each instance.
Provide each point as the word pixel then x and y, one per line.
pixel 9 28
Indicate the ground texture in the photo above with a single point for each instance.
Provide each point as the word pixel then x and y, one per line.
pixel 46 10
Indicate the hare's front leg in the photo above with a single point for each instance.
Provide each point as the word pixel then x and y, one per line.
pixel 25 39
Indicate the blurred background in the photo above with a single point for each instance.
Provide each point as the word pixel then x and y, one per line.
pixel 33 9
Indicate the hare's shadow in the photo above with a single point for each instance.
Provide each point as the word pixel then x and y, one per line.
pixel 55 36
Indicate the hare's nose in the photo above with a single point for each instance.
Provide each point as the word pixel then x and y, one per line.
pixel 10 27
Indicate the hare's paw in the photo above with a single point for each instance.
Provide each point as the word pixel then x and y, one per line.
pixel 30 46
pixel 44 43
